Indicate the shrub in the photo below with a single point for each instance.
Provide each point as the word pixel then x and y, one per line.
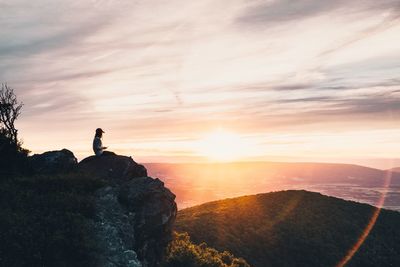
pixel 181 252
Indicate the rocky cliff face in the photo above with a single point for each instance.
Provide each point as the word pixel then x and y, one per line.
pixel 134 213
pixel 134 222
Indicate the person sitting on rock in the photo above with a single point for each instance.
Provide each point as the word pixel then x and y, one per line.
pixel 98 147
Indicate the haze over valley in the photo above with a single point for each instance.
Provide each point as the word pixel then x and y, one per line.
pixel 198 183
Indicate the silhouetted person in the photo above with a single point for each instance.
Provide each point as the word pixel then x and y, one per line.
pixel 98 147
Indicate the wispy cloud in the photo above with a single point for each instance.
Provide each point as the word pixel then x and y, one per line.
pixel 283 11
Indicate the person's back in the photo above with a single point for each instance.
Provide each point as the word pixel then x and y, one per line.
pixel 98 147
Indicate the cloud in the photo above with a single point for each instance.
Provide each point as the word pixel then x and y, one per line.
pixel 278 12
pixel 156 70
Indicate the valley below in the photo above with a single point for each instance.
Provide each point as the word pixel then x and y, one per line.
pixel 195 184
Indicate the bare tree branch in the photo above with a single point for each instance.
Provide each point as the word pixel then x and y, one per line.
pixel 10 109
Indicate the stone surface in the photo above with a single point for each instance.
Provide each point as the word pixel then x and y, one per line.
pixel 155 212
pixel 112 167
pixel 114 231
pixel 134 221
pixel 53 162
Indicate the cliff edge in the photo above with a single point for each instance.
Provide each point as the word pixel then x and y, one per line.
pixel 129 218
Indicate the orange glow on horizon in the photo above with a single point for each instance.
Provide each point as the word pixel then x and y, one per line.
pixel 223 145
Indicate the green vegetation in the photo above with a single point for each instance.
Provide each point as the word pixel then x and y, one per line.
pixel 44 220
pixel 294 228
pixel 183 253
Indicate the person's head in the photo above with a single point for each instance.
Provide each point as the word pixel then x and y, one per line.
pixel 99 132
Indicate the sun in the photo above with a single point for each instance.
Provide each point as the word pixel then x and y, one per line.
pixel 222 145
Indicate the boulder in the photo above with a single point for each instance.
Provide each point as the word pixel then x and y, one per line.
pixel 112 167
pixel 53 162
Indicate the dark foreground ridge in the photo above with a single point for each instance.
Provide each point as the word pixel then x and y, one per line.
pixel 294 228
pixel 103 211
pixel 106 212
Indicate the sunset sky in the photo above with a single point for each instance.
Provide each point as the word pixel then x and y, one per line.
pixel 178 81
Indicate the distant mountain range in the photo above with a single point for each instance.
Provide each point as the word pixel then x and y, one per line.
pixel 294 228
pixel 196 183
pixel 280 171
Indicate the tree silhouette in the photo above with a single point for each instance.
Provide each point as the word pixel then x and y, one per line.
pixel 13 157
pixel 10 109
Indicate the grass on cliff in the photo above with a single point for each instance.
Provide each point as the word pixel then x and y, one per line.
pixel 44 220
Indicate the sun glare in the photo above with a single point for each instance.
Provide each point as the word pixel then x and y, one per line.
pixel 222 145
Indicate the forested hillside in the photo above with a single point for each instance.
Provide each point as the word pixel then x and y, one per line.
pixel 294 228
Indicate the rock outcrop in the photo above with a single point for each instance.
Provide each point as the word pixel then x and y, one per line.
pixel 112 167
pixel 134 213
pixel 53 162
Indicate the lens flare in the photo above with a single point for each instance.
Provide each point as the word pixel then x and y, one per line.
pixel 370 224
